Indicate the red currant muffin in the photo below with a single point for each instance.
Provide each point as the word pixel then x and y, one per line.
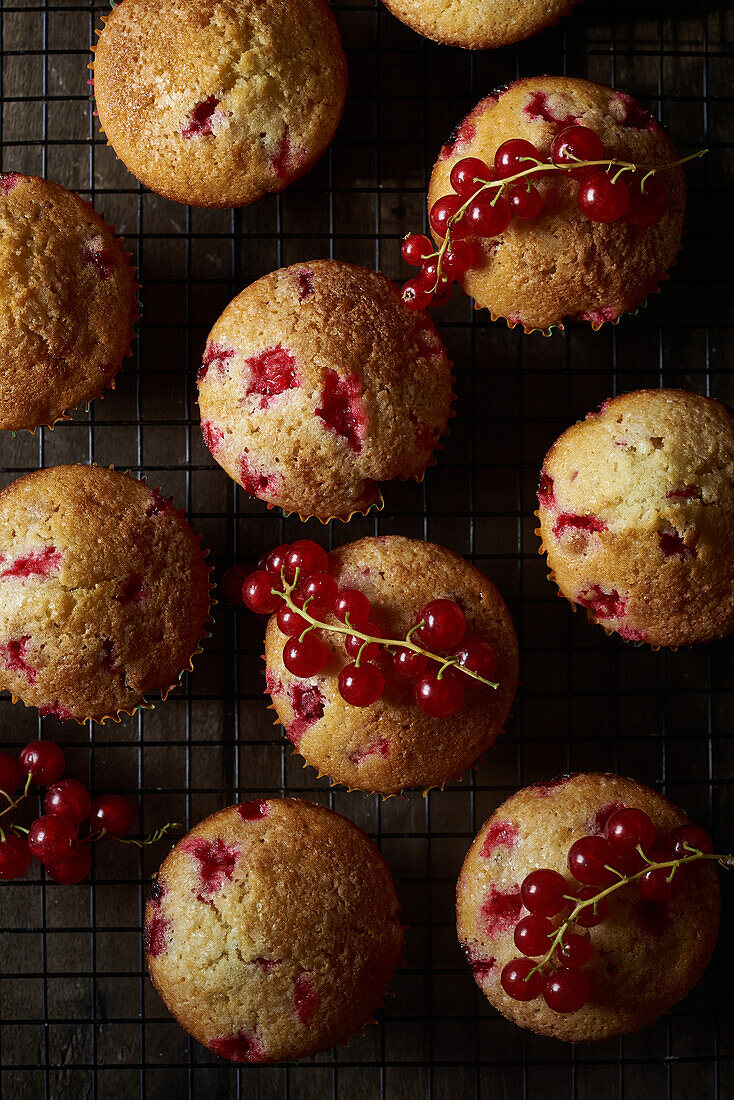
pixel 273 930
pixel 571 925
pixel 67 302
pixel 217 103
pixel 105 592
pixel 637 516
pixel 379 719
pixel 317 383
pixel 479 24
pixel 549 245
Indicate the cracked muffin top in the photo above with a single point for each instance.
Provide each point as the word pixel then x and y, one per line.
pixel 645 955
pixel 392 745
pixel 637 516
pixel 105 592
pixel 272 930
pixel 218 102
pixel 479 24
pixel 67 302
pixel 560 264
pixel 317 383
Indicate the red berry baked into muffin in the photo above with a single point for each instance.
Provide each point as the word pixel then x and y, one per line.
pixel 588 906
pixel 541 226
pixel 273 930
pixel 317 383
pixel 67 302
pixel 104 592
pixel 411 671
pixel 216 104
pixel 479 24
pixel 637 516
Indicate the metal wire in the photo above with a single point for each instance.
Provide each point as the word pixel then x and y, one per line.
pixel 77 1016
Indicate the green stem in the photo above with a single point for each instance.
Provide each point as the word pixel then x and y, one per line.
pixel 674 864
pixel 349 629
pixel 13 802
pixel 541 166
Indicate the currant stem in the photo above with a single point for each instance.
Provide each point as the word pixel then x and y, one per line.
pixel 152 838
pixel 13 802
pixel 543 166
pixel 674 864
pixel 388 643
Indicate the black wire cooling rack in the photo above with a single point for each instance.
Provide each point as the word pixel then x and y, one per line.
pixel 78 1016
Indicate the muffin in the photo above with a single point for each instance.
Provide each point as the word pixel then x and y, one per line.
pixel 67 302
pixel 481 24
pixel 216 104
pixel 317 382
pixel 637 516
pixel 561 264
pixel 645 955
pixel 392 745
pixel 273 930
pixel 105 592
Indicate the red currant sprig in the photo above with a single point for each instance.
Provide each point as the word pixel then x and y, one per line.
pixel 53 838
pixel 486 197
pixel 294 582
pixel 553 956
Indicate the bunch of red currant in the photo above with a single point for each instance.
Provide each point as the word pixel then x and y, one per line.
pixel 485 199
pixel 628 852
pixel 294 581
pixel 53 838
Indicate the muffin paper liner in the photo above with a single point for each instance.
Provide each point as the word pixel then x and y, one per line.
pixel 147 704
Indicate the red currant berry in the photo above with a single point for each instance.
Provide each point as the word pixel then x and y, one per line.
pixel 408 664
pixel 533 935
pixel 459 258
pixel 439 698
pixel 592 914
pixel 112 814
pixel 275 560
pixel 430 278
pixel 477 655
pixel 589 860
pixel 627 828
pixel 353 605
pixel 574 950
pixel 524 201
pixel 443 625
pixel 441 213
pixel 68 798
pixel 519 983
pixel 72 870
pixel 442 293
pixel 647 207
pixel 258 595
pixel 52 839
pixel 601 199
pixel 43 761
pixel 290 622
pixel 514 156
pixel 320 590
pixel 543 892
pixel 566 990
pixel 487 217
pixel 307 558
pixel 305 658
pixel 371 649
pixel 654 886
pixel 11 774
pixel 361 685
pixel 685 837
pixel 232 582
pixel 415 295
pixel 469 174
pixel 15 856
pixel 415 249
pixel 577 143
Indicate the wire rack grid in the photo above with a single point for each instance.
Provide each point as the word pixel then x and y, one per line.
pixel 78 1017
